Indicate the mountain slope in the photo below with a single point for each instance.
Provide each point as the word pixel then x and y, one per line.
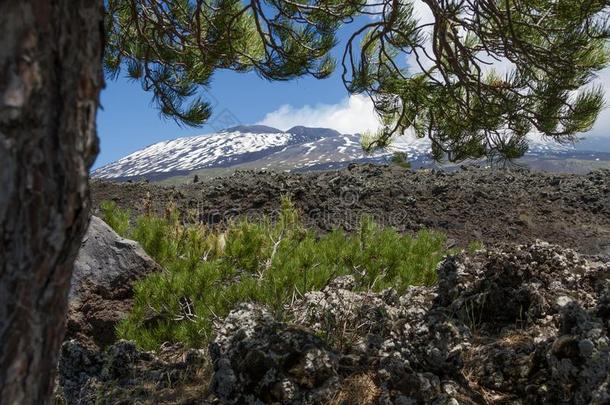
pixel 261 147
pixel 297 148
pixel 186 154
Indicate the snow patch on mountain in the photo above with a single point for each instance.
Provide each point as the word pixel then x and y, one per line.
pixel 297 148
pixel 191 153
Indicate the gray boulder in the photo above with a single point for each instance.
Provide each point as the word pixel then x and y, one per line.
pixel 105 271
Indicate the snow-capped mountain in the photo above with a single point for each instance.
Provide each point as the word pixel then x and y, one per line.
pixel 192 153
pixel 262 147
pixel 296 148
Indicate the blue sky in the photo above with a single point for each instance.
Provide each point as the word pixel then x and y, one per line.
pixel 128 121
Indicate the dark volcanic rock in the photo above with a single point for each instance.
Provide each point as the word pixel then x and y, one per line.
pixel 105 270
pixel 520 325
pixel 523 325
pixel 258 359
pixel 491 206
pixel 123 375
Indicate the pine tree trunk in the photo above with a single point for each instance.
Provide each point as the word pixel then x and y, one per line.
pixel 50 79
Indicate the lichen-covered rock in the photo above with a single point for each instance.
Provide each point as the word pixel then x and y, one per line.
pixel 258 360
pixel 526 324
pixel 106 268
pixel 535 310
pixel 520 325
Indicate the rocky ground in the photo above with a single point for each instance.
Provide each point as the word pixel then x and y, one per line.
pixel 525 325
pixel 493 207
pixel 520 321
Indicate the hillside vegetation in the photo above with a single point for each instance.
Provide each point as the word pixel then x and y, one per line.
pixel 272 261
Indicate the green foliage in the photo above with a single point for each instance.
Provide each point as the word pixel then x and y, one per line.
pixel 474 246
pixel 452 95
pixel 208 272
pixel 173 47
pixel 436 79
pixel 116 218
pixel 400 159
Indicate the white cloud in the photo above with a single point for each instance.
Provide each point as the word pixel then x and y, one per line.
pixel 353 114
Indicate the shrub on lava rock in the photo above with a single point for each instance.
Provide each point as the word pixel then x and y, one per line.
pixel 272 262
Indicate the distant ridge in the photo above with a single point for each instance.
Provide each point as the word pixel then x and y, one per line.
pixel 313 132
pixel 299 148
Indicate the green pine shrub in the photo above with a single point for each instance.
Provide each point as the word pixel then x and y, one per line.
pixel 208 272
pixel 116 218
pixel 474 246
pixel 400 159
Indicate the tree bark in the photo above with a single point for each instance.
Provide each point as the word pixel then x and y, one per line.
pixel 50 79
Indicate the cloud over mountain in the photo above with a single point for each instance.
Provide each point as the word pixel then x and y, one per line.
pixel 353 114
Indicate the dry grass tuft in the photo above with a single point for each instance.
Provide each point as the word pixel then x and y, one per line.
pixel 358 389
